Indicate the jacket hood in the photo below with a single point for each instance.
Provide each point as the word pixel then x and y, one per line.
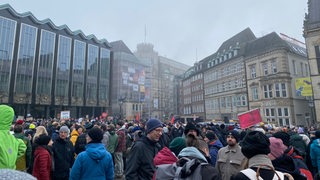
pixel 6 117
pixel 74 133
pixel 96 151
pixel 192 152
pixel 164 156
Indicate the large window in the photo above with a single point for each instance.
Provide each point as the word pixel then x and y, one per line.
pixel 254 91
pixel 283 115
pixel 265 68
pixel 104 73
pixel 270 115
pixel 63 66
pixel 79 57
pixel 253 71
pixel 7 38
pixel 267 91
pixel 274 67
pixel 317 51
pixel 45 65
pixel 281 90
pixel 27 49
pixel 92 69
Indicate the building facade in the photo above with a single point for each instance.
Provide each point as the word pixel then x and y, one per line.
pixel 247 73
pixel 46 69
pixel 127 83
pixel 312 38
pixel 162 80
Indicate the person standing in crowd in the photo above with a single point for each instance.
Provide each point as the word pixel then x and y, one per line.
pixel 11 148
pixel 140 161
pixel 176 131
pixel 39 131
pixel 81 140
pixel 42 164
pixel 63 155
pixel 113 141
pixel 76 132
pixel 230 158
pixel 255 147
pixel 315 153
pixel 214 145
pixel 95 162
pixel 120 149
pixel 191 129
pixel 23 163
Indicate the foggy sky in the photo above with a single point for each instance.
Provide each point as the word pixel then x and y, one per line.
pixel 182 30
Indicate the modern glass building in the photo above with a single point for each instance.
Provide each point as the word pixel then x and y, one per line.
pixel 46 69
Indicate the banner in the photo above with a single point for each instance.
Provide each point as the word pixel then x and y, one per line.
pixel 249 118
pixel 303 87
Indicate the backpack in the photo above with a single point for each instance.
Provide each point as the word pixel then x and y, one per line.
pixel 191 169
pixel 255 175
pixel 299 164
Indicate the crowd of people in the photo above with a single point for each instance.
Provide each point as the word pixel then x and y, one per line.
pixel 119 149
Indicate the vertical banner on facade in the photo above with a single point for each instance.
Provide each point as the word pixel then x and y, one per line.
pixel 303 87
pixel 249 118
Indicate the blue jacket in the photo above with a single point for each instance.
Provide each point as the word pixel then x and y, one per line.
pixel 95 163
pixel 213 149
pixel 315 154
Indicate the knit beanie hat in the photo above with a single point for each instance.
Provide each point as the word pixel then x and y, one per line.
pixel 43 140
pixel 191 126
pixel 277 147
pixel 152 124
pixel 235 134
pixel 254 143
pixel 177 144
pixel 210 135
pixel 285 137
pixel 96 134
pixel 88 126
pixel 64 129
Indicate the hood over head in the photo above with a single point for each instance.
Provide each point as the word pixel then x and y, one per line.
pixel 192 152
pixel 96 151
pixel 6 117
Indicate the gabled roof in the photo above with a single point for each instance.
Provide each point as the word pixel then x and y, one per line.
pixel 242 37
pixel 120 46
pixel 50 23
pixel 269 43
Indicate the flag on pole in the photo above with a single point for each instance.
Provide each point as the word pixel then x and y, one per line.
pixel 138 117
pixel 249 118
pixel 172 120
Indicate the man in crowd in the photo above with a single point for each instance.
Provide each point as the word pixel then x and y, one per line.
pixel 140 161
pixel 230 158
pixel 63 151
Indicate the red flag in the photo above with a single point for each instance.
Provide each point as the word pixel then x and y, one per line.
pixel 172 120
pixel 138 117
pixel 249 118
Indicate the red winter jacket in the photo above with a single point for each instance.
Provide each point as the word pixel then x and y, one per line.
pixel 42 164
pixel 165 156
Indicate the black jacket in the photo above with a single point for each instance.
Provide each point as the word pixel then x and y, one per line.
pixel 63 152
pixel 264 173
pixel 140 161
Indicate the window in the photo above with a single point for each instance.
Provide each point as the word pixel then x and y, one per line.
pixel 243 100
pixel 284 118
pixel 253 71
pixel 265 68
pixel 281 90
pixel 274 67
pixel 267 91
pixel 294 67
pixel 254 91
pixel 317 51
pixel 270 114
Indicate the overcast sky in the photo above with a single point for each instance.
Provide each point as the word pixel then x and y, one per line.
pixel 182 30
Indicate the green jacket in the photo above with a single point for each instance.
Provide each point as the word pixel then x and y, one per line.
pixel 10 147
pixel 24 162
pixel 113 142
